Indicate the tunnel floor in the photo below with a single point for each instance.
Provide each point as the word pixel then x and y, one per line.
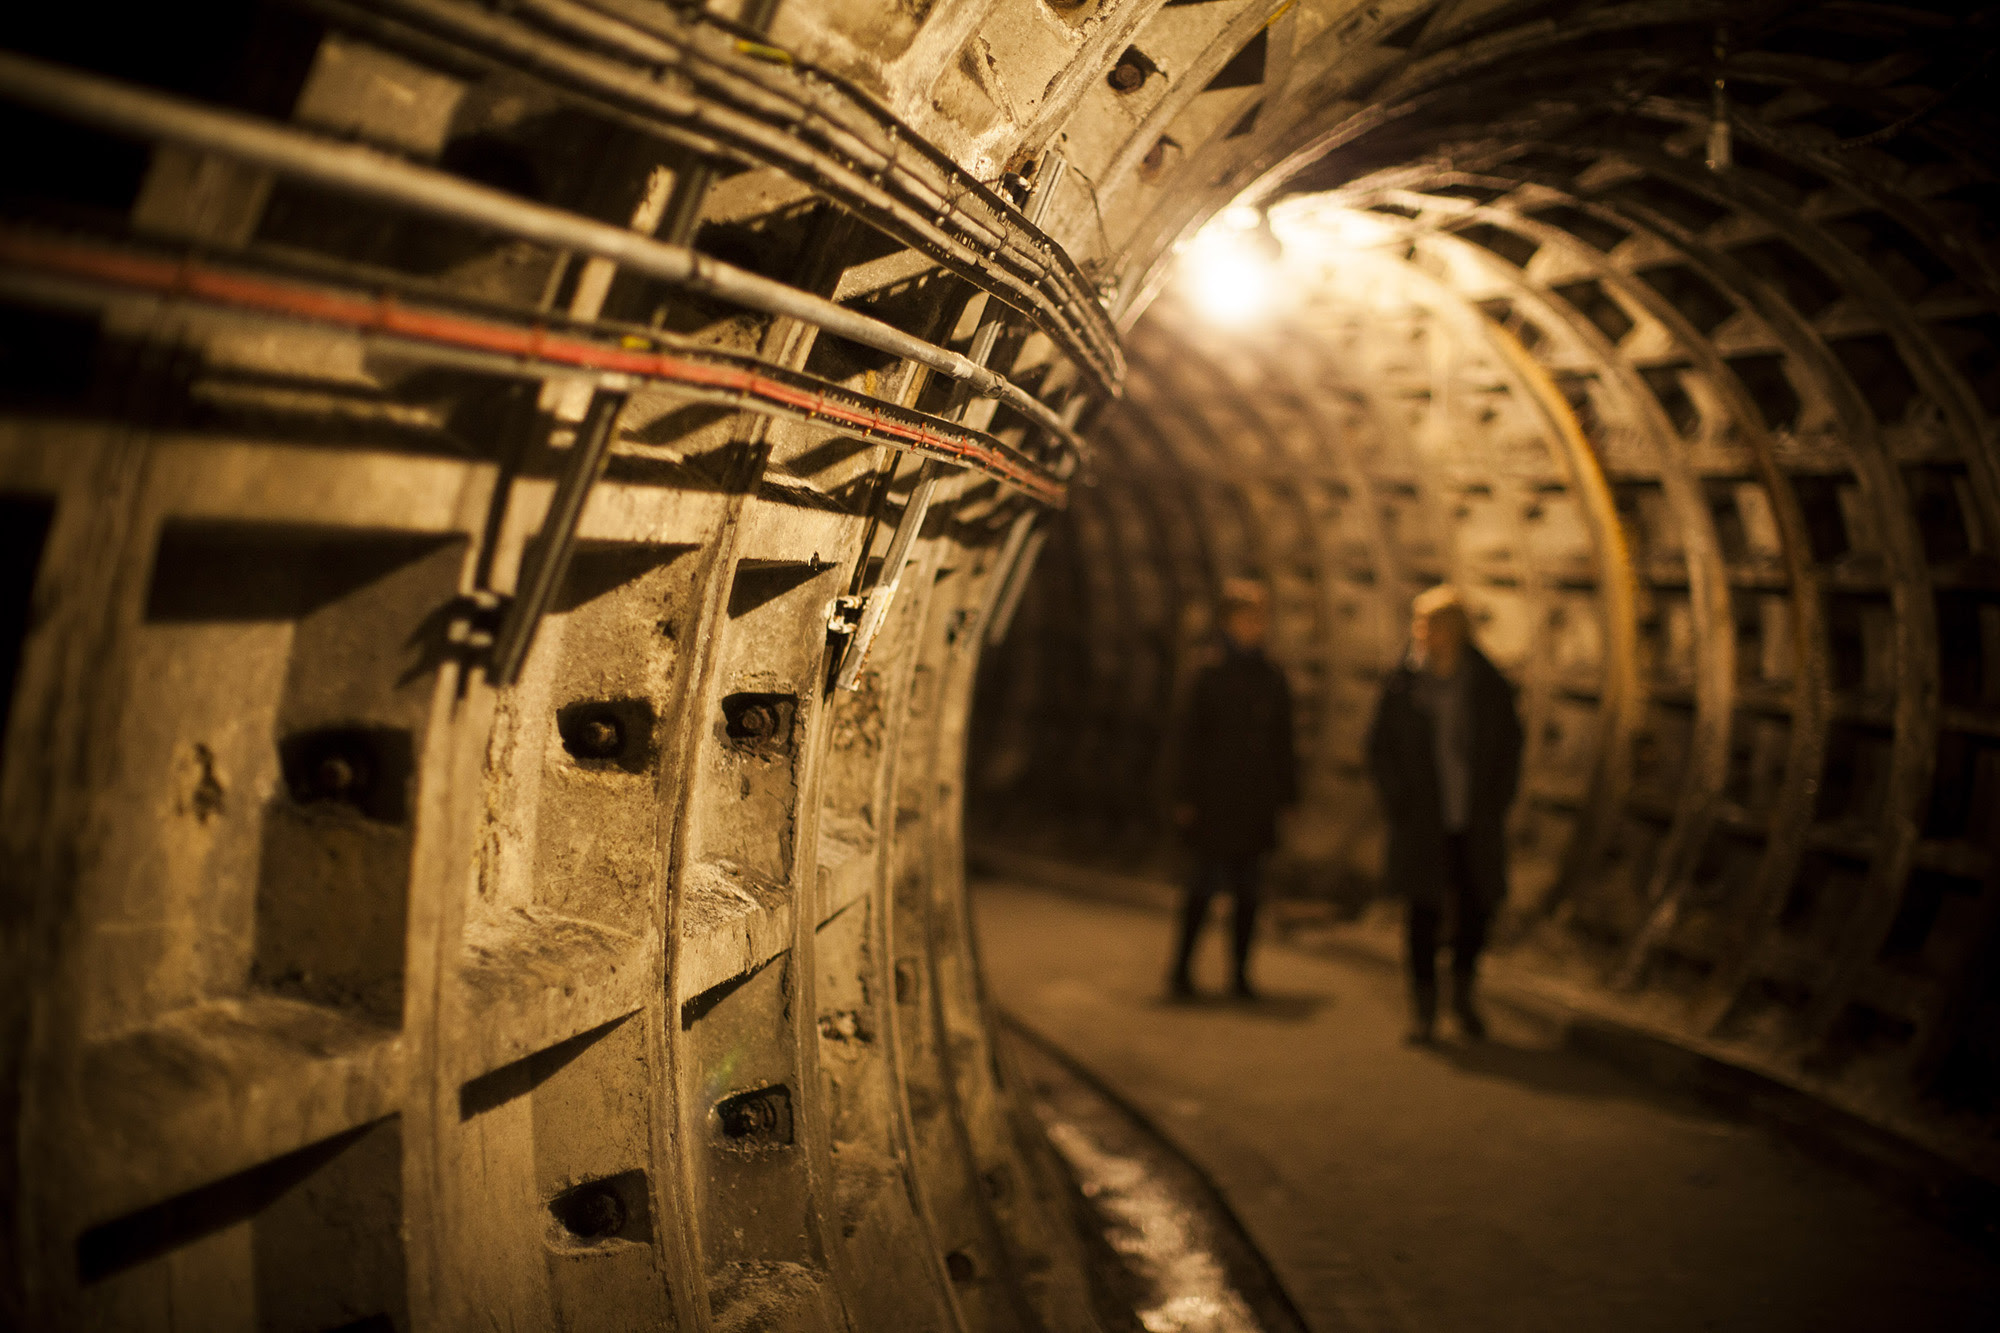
pixel 1512 1185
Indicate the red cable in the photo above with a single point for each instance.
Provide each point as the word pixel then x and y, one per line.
pixel 383 314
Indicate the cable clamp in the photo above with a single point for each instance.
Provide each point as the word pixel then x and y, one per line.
pixel 844 614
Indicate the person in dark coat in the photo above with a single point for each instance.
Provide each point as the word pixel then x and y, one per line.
pixel 1445 753
pixel 1237 770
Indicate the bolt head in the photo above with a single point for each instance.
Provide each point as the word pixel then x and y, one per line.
pixel 745 1118
pixel 336 775
pixel 598 737
pixel 1126 76
pixel 597 1212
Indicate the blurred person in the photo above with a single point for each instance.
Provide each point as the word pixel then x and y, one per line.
pixel 1445 752
pixel 1237 770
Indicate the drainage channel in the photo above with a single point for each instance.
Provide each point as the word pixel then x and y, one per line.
pixel 1171 1252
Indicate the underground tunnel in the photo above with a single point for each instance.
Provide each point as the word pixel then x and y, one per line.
pixel 598 592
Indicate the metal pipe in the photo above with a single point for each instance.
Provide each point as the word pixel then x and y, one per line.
pixel 949 195
pixel 1054 164
pixel 741 117
pixel 875 609
pixel 123 109
pixel 548 561
pixel 883 595
pixel 708 374
pixel 1000 596
pixel 1017 583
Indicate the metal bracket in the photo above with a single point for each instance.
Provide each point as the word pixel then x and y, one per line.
pixel 875 606
pixel 869 611
pixel 843 613
pixel 547 561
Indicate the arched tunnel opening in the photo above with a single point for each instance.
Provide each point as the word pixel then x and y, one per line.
pixel 543 537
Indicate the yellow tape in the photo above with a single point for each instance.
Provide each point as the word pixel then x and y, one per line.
pixel 777 55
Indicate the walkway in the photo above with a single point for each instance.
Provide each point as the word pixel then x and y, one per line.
pixel 1510 1186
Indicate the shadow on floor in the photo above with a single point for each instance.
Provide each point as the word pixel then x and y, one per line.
pixel 1557 1071
pixel 1277 1006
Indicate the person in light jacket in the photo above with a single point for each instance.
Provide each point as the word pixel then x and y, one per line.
pixel 1445 753
pixel 1237 771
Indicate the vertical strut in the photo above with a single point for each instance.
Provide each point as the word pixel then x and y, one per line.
pixel 548 561
pixel 1016 565
pixel 875 607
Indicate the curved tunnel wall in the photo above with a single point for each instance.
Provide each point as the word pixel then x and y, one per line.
pixel 1711 451
pixel 363 969
pixel 408 921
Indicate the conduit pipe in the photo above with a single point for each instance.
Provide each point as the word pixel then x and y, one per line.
pixel 706 374
pixel 123 109
pixel 875 609
pixel 547 563
pixel 738 116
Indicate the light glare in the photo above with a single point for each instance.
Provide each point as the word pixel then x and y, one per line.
pixel 1230 283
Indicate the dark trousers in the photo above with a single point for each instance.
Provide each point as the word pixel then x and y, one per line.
pixel 1460 902
pixel 1236 876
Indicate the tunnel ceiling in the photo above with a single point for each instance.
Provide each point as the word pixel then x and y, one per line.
pixel 505 504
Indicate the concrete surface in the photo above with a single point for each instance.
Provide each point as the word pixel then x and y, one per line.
pixel 1506 1186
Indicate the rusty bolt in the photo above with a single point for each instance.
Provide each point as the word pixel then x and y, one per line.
pixel 598 736
pixel 594 1212
pixel 759 721
pixel 336 776
pixel 353 766
pixel 749 1117
pixel 758 1119
pixel 1127 75
pixel 601 736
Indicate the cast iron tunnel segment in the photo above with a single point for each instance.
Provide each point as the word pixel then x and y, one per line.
pixel 1710 451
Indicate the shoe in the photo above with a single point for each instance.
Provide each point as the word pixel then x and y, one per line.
pixel 1423 1015
pixel 1465 1008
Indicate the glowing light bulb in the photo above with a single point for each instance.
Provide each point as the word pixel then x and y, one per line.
pixel 1230 283
pixel 1230 272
